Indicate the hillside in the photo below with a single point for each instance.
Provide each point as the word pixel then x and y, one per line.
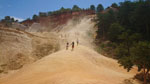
pixel 81 66
pixel 20 47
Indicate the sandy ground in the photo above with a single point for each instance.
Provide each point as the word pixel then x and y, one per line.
pixel 81 66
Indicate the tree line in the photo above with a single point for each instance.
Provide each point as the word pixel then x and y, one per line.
pixel 128 32
pixel 7 21
pixel 63 10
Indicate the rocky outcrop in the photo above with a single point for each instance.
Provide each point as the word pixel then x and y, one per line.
pixel 58 19
pixel 17 25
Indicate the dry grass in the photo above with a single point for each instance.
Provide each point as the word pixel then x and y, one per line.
pixel 140 76
pixel 17 61
pixel 43 50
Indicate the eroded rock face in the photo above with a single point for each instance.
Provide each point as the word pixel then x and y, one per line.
pixel 17 25
pixel 35 27
pixel 15 48
pixel 18 48
pixel 53 21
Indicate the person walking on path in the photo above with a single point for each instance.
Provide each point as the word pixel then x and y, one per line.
pixel 72 46
pixel 67 46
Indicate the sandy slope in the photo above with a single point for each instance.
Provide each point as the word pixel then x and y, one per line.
pixel 18 48
pixel 81 66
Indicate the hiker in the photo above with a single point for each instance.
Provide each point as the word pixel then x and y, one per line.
pixel 77 42
pixel 67 46
pixel 72 46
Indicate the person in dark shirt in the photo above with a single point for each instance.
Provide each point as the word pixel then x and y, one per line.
pixel 67 46
pixel 72 46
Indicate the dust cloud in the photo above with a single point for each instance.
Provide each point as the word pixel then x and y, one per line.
pixel 83 30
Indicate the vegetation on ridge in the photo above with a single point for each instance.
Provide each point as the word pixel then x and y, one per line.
pixel 127 32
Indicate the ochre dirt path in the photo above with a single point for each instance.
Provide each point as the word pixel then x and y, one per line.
pixel 81 66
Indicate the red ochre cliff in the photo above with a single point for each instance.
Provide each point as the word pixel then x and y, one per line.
pixel 58 19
